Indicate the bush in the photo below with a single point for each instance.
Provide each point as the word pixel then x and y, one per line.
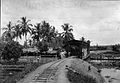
pixel 12 51
pixel 42 46
pixel 75 77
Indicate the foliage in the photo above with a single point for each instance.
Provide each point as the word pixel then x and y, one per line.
pixel 116 48
pixel 15 77
pixel 42 46
pixel 9 34
pixel 18 32
pixel 75 77
pixel 25 26
pixel 47 32
pixel 44 34
pixel 36 32
pixel 41 32
pixel 67 34
pixel 12 50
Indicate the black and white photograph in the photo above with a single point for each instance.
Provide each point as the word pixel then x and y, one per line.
pixel 60 41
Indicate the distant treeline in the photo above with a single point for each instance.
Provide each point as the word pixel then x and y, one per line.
pixel 109 47
pixel 93 48
pixel 39 54
pixel 116 47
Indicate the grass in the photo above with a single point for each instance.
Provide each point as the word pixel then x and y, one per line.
pixel 106 64
pixel 16 75
pixel 19 75
pixel 79 73
pixel 74 77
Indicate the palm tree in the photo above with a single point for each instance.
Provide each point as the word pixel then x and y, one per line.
pixel 59 40
pixel 36 33
pixel 83 39
pixel 45 28
pixel 18 32
pixel 67 34
pixel 9 34
pixel 51 34
pixel 48 33
pixel 25 26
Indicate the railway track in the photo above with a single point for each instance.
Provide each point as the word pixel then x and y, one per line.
pixel 49 73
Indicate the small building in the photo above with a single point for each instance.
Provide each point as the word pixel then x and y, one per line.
pixel 77 48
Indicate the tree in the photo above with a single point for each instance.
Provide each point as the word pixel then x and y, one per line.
pixel 36 32
pixel 58 40
pixel 67 34
pixel 51 35
pixel 25 26
pixel 42 46
pixel 2 45
pixel 9 33
pixel 45 28
pixel 83 39
pixel 18 32
pixel 30 42
pixel 47 32
pixel 12 50
pixel 44 33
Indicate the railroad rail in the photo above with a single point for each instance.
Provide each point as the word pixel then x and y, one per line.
pixel 49 73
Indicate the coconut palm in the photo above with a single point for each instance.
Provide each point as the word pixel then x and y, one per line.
pixel 9 33
pixel 67 34
pixel 58 40
pixel 48 32
pixel 45 28
pixel 25 26
pixel 83 39
pixel 51 34
pixel 18 32
pixel 36 32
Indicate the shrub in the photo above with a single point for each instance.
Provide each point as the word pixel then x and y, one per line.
pixel 12 51
pixel 75 77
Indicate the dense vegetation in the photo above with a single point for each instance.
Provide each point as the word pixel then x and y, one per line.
pixel 17 74
pixel 41 34
pixel 75 77
pixel 12 51
pixel 116 48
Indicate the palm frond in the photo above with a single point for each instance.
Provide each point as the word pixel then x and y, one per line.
pixel 70 29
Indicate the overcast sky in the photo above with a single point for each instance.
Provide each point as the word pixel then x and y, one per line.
pixel 96 20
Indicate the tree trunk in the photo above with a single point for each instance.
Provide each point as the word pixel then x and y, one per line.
pixel 26 40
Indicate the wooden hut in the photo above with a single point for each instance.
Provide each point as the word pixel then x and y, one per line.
pixel 77 48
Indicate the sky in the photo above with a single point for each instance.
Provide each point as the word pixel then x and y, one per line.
pixel 96 20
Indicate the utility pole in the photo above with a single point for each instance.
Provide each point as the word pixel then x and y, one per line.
pixel 0 17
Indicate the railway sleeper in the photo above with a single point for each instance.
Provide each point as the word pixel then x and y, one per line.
pixel 43 76
pixel 40 80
